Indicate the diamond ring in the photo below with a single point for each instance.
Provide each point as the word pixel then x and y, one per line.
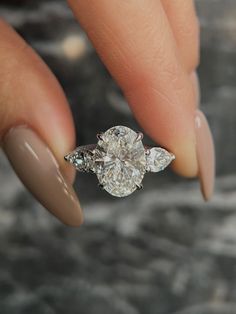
pixel 119 160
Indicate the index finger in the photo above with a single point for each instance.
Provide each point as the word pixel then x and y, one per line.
pixel 135 41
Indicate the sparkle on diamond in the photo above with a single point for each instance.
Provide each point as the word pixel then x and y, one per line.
pixel 120 161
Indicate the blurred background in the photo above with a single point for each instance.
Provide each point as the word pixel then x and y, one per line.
pixel 161 250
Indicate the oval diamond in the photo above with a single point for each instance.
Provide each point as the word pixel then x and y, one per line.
pixel 120 161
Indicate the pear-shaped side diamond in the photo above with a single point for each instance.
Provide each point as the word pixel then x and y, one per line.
pixel 158 159
pixel 82 158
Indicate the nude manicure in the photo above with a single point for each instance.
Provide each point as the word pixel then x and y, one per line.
pixel 205 155
pixel 38 169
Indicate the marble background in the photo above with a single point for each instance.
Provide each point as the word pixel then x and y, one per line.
pixel 162 250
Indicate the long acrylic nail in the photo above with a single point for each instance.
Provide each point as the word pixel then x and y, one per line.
pixel 38 169
pixel 196 86
pixel 205 155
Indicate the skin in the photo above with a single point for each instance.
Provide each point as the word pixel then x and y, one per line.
pixel 151 48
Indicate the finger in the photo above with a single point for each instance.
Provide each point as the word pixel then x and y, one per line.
pixel 36 128
pixel 185 27
pixel 136 43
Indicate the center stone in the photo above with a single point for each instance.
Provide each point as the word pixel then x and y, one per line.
pixel 120 161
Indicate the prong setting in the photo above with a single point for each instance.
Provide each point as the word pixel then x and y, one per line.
pixel 101 186
pixel 139 136
pixel 139 186
pixel 66 158
pixel 99 136
pixel 172 156
pixel 148 151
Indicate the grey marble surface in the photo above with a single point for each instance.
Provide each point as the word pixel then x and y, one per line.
pixel 162 250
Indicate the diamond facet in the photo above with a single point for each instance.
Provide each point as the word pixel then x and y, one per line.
pixel 158 159
pixel 120 161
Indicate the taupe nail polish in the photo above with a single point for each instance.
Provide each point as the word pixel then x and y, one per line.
pixel 205 155
pixel 38 169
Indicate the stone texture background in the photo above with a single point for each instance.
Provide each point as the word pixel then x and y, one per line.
pixel 161 250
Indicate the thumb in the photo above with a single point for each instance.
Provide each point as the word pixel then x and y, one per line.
pixel 36 127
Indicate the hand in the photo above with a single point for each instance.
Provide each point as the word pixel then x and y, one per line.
pixel 152 50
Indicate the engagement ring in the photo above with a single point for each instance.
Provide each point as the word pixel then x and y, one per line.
pixel 120 160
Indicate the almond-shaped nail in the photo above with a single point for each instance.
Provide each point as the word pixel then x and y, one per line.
pixel 38 169
pixel 205 155
pixel 196 86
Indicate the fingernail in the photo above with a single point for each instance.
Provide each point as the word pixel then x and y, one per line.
pixel 196 86
pixel 38 169
pixel 205 155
